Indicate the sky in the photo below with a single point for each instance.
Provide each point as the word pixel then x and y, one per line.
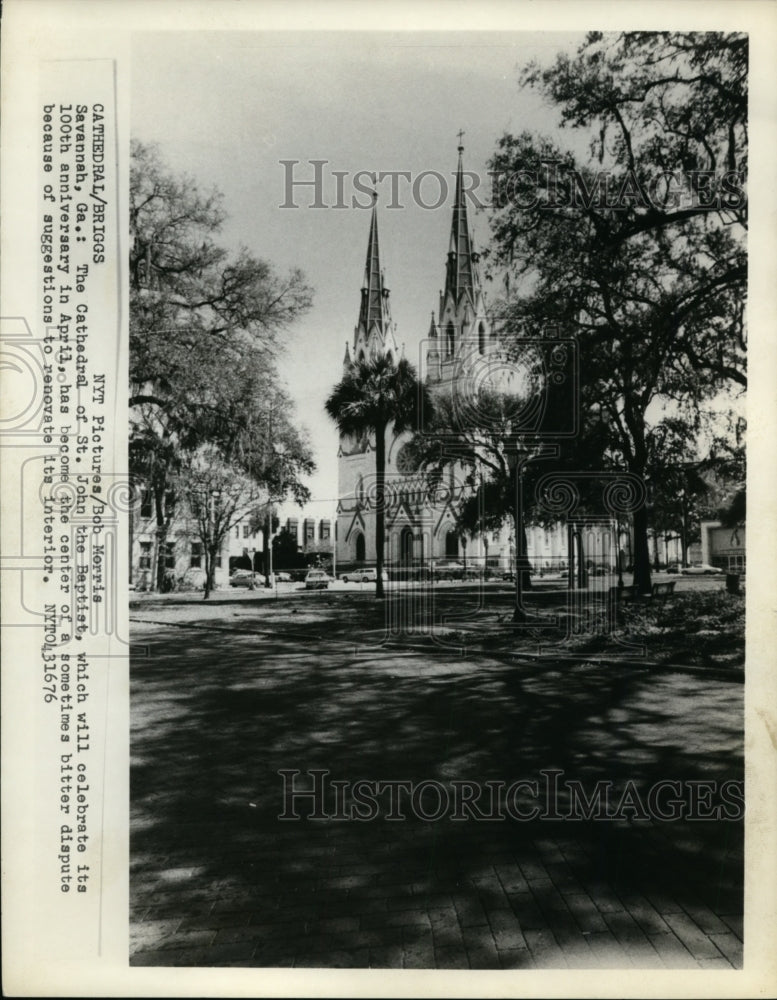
pixel 226 108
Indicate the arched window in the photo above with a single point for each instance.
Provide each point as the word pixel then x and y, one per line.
pixel 482 338
pixel 449 339
pixel 360 547
pixel 362 357
pixel 360 489
pixel 406 545
pixel 451 545
pixel 390 358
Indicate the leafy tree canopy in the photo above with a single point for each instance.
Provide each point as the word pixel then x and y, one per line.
pixel 206 331
pixel 638 248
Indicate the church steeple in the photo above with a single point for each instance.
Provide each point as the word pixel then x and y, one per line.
pixel 463 328
pixel 461 273
pixel 374 305
pixel 374 333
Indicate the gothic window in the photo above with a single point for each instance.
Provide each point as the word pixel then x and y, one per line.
pixel 360 489
pixel 406 545
pixel 360 547
pixel 451 545
pixel 482 338
pixel 390 358
pixel 449 339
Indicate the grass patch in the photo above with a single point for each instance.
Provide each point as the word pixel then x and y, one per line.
pixel 704 628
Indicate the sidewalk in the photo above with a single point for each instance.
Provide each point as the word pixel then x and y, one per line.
pixel 217 879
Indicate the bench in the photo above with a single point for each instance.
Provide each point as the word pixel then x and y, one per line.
pixel 619 597
pixel 662 590
pixel 631 595
pixel 624 595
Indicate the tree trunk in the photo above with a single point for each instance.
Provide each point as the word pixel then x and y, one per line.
pixel 582 571
pixel 210 571
pixel 266 549
pixel 684 533
pixel 519 615
pixel 380 509
pixel 641 551
pixel 161 539
pixel 522 577
pixel 524 564
pixel 208 574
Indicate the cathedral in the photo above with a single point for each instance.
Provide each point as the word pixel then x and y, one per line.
pixel 421 531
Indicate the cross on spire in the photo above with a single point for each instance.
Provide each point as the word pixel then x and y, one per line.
pixel 460 134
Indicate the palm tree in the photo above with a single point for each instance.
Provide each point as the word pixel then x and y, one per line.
pixel 371 397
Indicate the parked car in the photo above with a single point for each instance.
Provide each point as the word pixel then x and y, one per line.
pixel 283 577
pixel 701 569
pixel 673 568
pixel 369 575
pixel 243 578
pixel 510 574
pixel 317 579
pixel 448 569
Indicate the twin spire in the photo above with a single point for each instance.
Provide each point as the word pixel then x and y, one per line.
pixel 461 275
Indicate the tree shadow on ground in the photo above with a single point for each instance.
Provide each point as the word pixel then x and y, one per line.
pixel 216 718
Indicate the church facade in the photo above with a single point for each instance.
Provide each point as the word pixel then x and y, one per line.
pixel 422 531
